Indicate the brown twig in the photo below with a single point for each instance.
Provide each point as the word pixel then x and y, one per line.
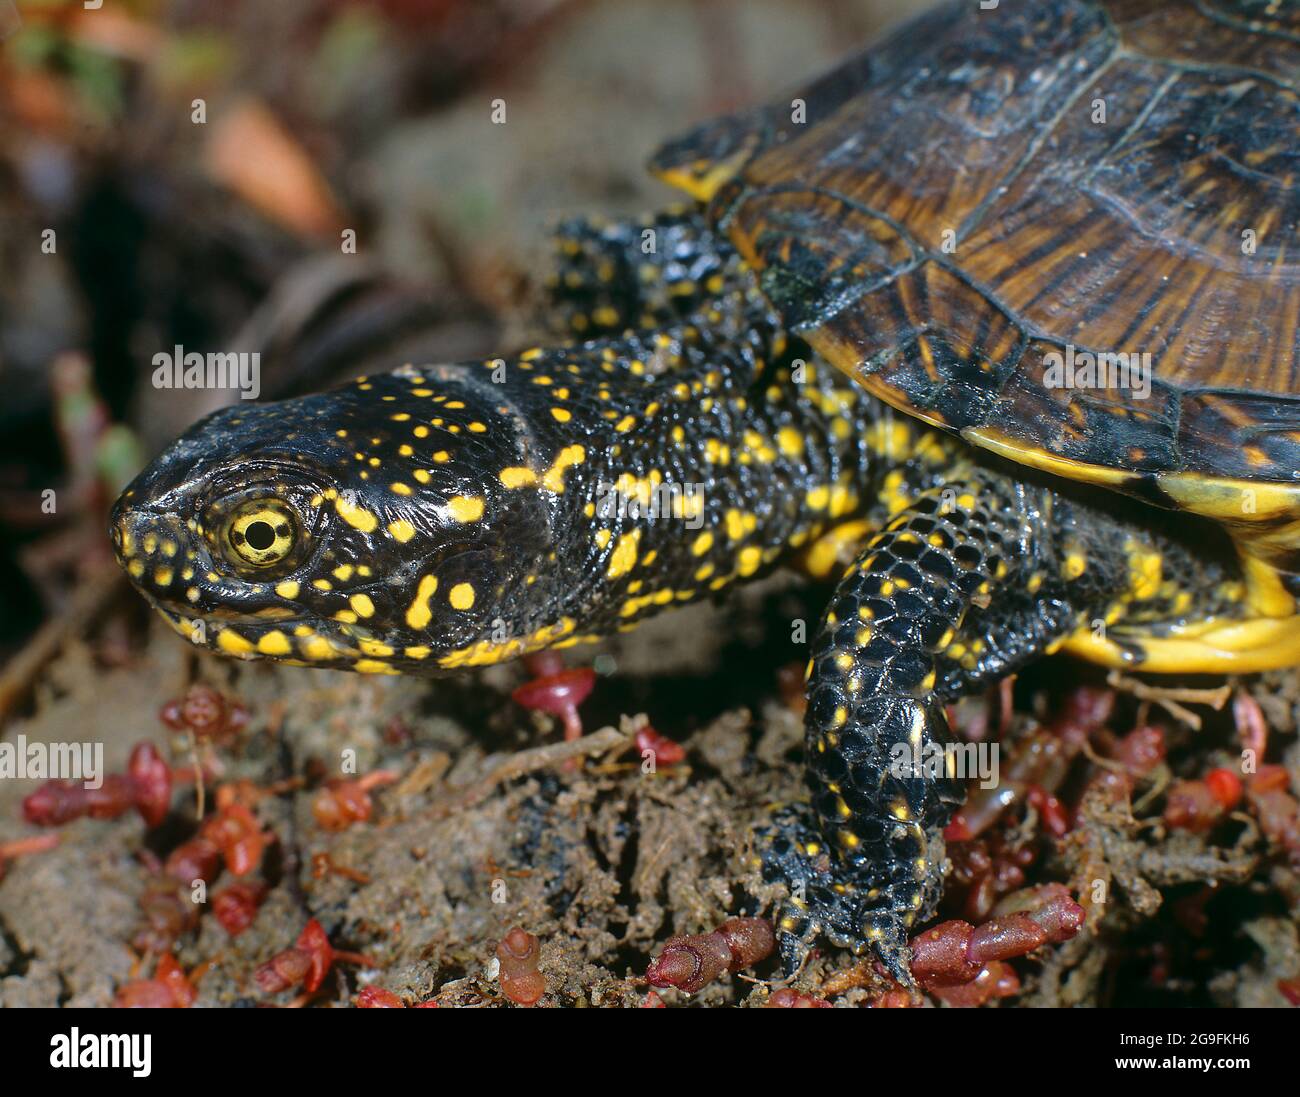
pixel 527 761
pixel 1168 698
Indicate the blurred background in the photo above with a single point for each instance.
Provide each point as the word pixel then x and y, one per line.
pixel 184 171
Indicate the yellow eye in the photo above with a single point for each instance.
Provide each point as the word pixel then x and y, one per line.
pixel 262 532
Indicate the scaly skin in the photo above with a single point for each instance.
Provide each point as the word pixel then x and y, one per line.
pixel 443 517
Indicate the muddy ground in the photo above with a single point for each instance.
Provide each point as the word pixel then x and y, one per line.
pixel 601 864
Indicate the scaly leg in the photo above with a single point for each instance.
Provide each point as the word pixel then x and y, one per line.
pixel 869 867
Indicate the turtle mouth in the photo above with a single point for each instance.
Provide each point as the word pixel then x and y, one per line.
pixel 231 617
pixel 260 635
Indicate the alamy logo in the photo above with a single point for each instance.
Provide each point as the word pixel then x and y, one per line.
pixel 102 1050
pixel 956 761
pixel 182 369
pixel 23 761
pixel 633 500
pixel 1082 369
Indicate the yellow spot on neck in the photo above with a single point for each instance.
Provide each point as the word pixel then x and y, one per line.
pixel 362 604
pixel 401 530
pixel 518 477
pixel 355 516
pixel 418 613
pixel 485 652
pixel 318 648
pixel 465 508
pixel 232 643
pixel 274 643
pixel 623 558
pixel 567 457
pixel 461 596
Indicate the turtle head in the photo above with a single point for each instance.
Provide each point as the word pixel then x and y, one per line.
pixel 374 528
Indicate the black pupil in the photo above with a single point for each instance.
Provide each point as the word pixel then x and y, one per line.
pixel 260 535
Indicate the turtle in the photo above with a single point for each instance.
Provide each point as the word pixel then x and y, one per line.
pixel 995 325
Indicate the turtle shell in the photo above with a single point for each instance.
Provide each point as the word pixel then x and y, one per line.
pixel 1065 230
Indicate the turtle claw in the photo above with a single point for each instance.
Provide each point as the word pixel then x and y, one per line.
pixel 886 935
pixel 828 899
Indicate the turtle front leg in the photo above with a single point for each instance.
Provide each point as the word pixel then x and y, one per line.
pixel 864 864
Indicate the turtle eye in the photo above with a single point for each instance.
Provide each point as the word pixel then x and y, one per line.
pixel 262 532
